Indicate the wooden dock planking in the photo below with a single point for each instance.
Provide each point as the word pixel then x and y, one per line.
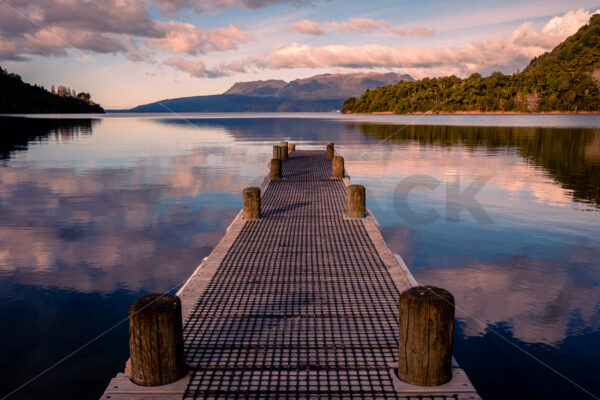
pixel 300 304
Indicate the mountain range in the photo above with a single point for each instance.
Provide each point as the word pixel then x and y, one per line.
pixel 325 92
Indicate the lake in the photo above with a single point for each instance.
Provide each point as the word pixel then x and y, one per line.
pixel 501 210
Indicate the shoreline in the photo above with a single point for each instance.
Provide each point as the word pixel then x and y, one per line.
pixel 478 113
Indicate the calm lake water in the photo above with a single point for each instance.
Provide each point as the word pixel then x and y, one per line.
pixel 503 211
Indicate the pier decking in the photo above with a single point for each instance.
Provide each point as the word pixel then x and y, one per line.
pixel 300 304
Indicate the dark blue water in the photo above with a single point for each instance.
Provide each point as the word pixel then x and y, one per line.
pixel 95 213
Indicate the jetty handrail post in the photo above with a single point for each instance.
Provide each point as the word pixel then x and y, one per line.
pixel 291 147
pixel 275 168
pixel 251 197
pixel 156 340
pixel 277 152
pixel 337 167
pixel 355 201
pixel 426 326
pixel 330 151
pixel 283 152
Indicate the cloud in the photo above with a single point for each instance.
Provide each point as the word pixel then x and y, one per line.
pixel 195 68
pixel 52 27
pixel 371 25
pixel 359 25
pixel 307 26
pixel 506 55
pixel 170 7
pixel 186 38
pixel 113 16
pixel 554 32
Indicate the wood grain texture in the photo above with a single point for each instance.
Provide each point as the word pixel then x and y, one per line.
pixel 277 152
pixel 338 168
pixel 156 340
pixel 283 152
pixel 355 201
pixel 251 198
pixel 275 168
pixel 426 326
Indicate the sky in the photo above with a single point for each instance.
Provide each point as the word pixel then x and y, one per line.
pixel 131 52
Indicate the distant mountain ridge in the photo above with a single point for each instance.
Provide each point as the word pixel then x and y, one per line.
pixel 325 92
pixel 567 79
pixel 326 86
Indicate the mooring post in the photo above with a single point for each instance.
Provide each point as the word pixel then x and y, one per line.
pixel 275 168
pixel 276 152
pixel 251 198
pixel 338 167
pixel 282 143
pixel 355 201
pixel 329 151
pixel 283 152
pixel 156 340
pixel 291 147
pixel 426 327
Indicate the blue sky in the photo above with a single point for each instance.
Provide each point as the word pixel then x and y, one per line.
pixel 130 52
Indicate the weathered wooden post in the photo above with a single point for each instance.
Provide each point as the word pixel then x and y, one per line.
pixel 282 143
pixel 277 152
pixel 156 340
pixel 291 147
pixel 338 167
pixel 275 168
pixel 425 335
pixel 251 198
pixel 329 151
pixel 283 153
pixel 355 201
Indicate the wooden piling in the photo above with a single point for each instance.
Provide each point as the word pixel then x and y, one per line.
pixel 156 340
pixel 330 151
pixel 355 201
pixel 251 197
pixel 283 143
pixel 338 168
pixel 426 326
pixel 277 152
pixel 283 153
pixel 275 168
pixel 291 147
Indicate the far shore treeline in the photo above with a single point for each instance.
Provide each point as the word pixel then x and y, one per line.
pixel 565 80
pixel 18 97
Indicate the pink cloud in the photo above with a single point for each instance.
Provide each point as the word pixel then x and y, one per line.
pixel 170 7
pixel 307 26
pixel 506 55
pixel 187 38
pixel 371 25
pixel 52 27
pixel 195 68
pixel 359 24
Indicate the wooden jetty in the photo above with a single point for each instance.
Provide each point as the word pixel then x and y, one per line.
pixel 297 301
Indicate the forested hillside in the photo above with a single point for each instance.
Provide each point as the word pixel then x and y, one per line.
pixel 566 79
pixel 18 97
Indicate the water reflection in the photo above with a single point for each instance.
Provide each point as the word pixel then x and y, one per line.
pixel 572 156
pixel 97 213
pixel 19 132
